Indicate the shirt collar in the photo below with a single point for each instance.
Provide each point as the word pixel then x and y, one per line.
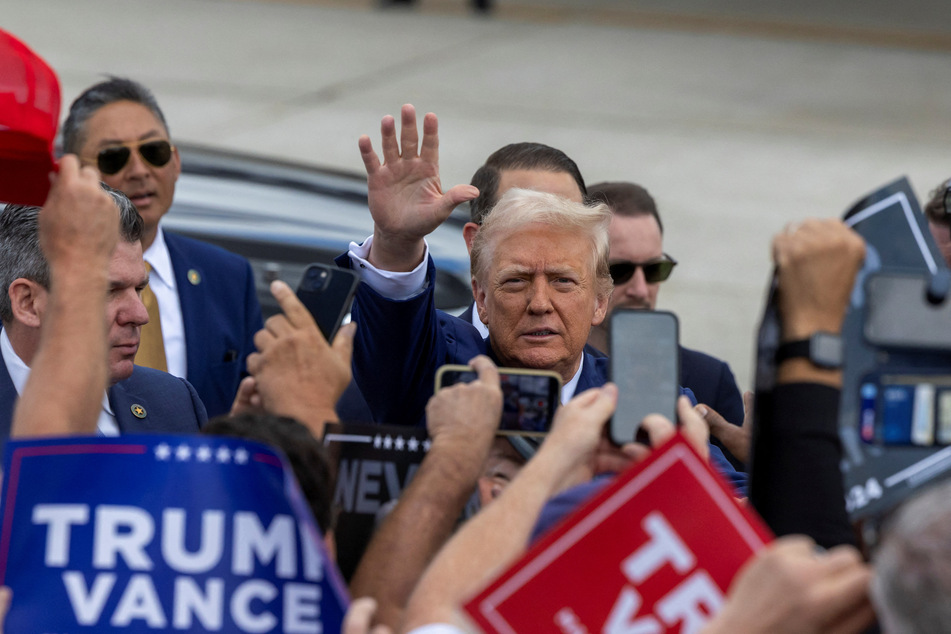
pixel 19 371
pixel 568 390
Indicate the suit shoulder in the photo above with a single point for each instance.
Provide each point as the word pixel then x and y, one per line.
pixel 203 251
pixel 701 360
pixel 155 381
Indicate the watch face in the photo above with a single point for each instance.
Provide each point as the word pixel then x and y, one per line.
pixel 825 350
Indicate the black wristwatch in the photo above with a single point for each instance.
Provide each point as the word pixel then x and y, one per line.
pixel 823 349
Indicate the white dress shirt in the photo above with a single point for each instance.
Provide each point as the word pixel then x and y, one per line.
pixel 162 282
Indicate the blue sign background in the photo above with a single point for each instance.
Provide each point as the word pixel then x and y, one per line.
pixel 176 533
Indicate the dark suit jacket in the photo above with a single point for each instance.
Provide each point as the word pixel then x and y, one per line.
pixel 220 314
pixel 712 383
pixel 170 404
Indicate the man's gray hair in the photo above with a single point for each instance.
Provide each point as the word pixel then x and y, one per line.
pixel 912 582
pixel 519 208
pixel 20 253
pixel 102 94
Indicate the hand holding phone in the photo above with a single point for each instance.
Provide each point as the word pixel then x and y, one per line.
pixel 529 397
pixel 327 292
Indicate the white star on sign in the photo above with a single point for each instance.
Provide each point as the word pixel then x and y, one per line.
pixel 203 454
pixel 377 441
pixel 162 451
pixel 223 455
pixel 387 443
pixel 184 452
pixel 413 444
pixel 427 444
pixel 400 443
pixel 241 456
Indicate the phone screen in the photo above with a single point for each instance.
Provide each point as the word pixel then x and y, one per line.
pixel 327 292
pixel 645 365
pixel 529 397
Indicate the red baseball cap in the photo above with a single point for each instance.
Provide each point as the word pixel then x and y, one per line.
pixel 29 115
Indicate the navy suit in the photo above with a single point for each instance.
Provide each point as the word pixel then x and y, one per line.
pixel 220 315
pixel 712 382
pixel 170 404
pixel 400 344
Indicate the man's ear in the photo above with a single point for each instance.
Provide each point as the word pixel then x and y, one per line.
pixel 469 232
pixel 478 293
pixel 176 162
pixel 28 301
pixel 600 309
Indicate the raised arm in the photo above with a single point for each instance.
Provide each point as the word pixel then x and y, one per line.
pixel 406 198
pixel 495 536
pixel 817 262
pixel 79 227
pixel 500 532
pixel 462 421
pixel 797 483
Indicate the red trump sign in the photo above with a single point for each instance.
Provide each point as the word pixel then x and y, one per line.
pixel 653 552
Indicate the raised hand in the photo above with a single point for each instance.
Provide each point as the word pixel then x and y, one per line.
pixel 296 372
pixel 405 194
pixel 79 222
pixel 466 415
pixel 737 439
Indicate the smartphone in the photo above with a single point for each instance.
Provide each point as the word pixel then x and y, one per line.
pixel 645 364
pixel 529 397
pixel 327 292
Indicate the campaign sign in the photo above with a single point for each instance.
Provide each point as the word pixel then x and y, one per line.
pixel 375 463
pixel 655 551
pixel 161 532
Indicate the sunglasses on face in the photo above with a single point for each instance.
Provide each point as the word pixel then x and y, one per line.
pixel 112 159
pixel 656 271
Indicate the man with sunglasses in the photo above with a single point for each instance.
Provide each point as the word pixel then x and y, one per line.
pixel 203 309
pixel 638 265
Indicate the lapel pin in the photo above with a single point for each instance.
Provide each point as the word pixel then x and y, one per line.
pixel 138 411
pixel 194 277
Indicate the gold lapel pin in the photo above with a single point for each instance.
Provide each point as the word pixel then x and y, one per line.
pixel 138 411
pixel 194 277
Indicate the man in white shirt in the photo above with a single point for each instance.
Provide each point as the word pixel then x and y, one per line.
pixel 207 311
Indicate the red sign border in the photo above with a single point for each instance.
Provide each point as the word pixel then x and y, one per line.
pixel 599 508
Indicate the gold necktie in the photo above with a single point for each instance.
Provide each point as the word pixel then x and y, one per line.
pixel 151 352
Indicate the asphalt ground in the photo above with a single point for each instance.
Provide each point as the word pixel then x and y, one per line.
pixel 738 116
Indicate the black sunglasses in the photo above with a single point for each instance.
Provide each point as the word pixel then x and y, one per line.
pixel 656 271
pixel 112 159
